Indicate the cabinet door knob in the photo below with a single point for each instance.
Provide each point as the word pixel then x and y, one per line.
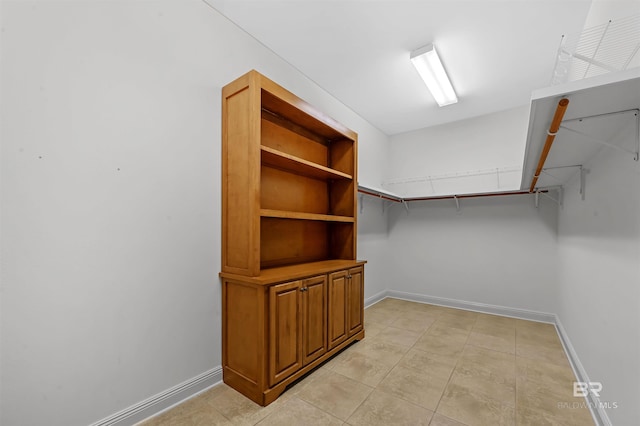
pixel 304 289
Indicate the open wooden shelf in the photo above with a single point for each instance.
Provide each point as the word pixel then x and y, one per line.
pixel 289 179
pixel 284 214
pixel 274 158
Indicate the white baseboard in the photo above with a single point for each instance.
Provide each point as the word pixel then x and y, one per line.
pixel 597 411
pixel 190 388
pixel 375 298
pixel 474 306
pixel 164 400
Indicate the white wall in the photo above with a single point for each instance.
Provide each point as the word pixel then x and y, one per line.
pixel 498 251
pixel 599 279
pixel 111 213
pixel 111 199
pixel 493 141
pixel 373 245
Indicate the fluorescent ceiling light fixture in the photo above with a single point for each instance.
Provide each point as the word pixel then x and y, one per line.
pixel 430 68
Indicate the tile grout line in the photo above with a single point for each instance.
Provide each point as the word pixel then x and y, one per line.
pixel 438 316
pixel 520 331
pixel 385 376
pixel 412 347
pixel 453 371
pixel 358 406
pixel 326 412
pixel 375 387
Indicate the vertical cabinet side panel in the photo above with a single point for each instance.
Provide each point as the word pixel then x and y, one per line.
pixel 240 181
pixel 243 338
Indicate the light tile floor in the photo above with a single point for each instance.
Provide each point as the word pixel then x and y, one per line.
pixel 418 365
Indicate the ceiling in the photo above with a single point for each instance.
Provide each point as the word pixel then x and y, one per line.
pixel 496 52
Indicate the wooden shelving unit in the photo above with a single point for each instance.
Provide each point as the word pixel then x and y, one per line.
pixel 292 289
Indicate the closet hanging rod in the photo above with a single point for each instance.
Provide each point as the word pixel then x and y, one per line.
pixel 478 195
pixel 448 197
pixel 551 135
pixel 377 195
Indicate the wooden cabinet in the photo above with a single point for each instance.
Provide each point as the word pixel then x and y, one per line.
pixel 292 289
pixel 346 310
pixel 278 326
pixel 297 326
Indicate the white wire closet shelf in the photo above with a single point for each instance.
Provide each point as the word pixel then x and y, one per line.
pixel 602 114
pixel 610 47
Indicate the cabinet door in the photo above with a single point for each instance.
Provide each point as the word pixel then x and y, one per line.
pixel 285 330
pixel 355 300
pixel 337 309
pixel 314 318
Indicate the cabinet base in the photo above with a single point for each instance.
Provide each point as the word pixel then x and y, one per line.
pixel 252 390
